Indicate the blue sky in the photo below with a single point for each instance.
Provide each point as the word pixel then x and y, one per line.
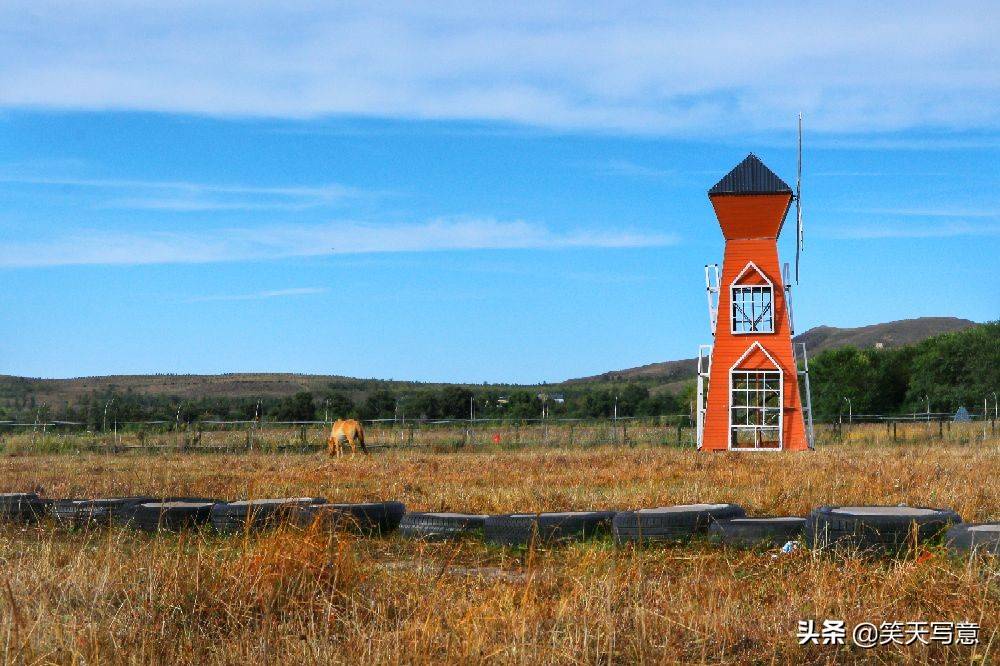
pixel 485 194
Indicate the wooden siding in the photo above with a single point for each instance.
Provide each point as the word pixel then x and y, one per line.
pixel 728 346
pixel 750 215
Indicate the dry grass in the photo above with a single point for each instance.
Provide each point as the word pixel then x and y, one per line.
pixel 113 596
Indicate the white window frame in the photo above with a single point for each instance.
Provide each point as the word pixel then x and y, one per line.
pixel 734 287
pixel 735 368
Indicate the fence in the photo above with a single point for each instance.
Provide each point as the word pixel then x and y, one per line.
pixel 467 434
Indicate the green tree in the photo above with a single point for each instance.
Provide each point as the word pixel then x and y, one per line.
pixel 380 404
pixel 423 405
pixel 955 369
pixel 338 406
pixel 454 402
pixel 299 407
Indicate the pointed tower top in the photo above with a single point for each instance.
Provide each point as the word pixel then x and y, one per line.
pixel 750 176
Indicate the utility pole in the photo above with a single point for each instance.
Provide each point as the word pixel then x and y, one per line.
pixel 104 424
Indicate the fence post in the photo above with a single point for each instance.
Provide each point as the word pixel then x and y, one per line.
pixel 894 431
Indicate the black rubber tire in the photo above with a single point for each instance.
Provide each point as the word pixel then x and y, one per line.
pixel 671 523
pixel 365 517
pixel 22 507
pixel 749 532
pixel 876 529
pixel 255 515
pixel 441 526
pixel 978 537
pixel 170 516
pixel 76 513
pixel 126 515
pixel 521 529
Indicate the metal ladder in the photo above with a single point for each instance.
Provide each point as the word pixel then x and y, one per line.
pixel 806 393
pixel 704 370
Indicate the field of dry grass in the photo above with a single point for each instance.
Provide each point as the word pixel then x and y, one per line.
pixel 300 596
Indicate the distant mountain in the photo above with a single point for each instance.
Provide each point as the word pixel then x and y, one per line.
pixel 668 376
pixel 890 334
pixel 233 385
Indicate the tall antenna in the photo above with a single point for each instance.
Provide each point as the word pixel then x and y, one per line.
pixel 798 205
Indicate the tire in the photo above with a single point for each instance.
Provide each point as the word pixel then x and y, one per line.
pixel 441 526
pixel 367 518
pixel 170 516
pixel 876 529
pixel 981 537
pixel 75 513
pixel 749 532
pixel 126 514
pixel 671 523
pixel 22 507
pixel 520 529
pixel 254 515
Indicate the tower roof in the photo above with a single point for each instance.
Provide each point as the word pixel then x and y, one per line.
pixel 750 176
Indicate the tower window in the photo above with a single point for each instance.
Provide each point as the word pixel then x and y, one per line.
pixel 752 310
pixel 755 409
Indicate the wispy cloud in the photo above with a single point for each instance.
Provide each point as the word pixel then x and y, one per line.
pixel 880 174
pixel 196 205
pixel 926 212
pixel 626 168
pixel 186 196
pixel 643 67
pixel 881 231
pixel 335 238
pixel 261 295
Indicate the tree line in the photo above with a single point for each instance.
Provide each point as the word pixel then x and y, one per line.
pixel 101 410
pixel 940 375
pixel 947 371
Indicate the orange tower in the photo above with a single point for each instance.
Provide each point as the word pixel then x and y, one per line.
pixel 748 381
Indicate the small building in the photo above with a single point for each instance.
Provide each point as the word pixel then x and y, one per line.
pixel 962 415
pixel 748 392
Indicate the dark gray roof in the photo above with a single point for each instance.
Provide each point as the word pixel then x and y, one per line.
pixel 750 177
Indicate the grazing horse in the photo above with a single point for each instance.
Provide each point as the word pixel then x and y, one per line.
pixel 346 431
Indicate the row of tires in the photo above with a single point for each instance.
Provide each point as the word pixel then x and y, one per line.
pixel 153 514
pixel 891 529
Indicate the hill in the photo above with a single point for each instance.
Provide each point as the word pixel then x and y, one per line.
pixel 668 376
pixel 230 385
pixel 818 339
pixel 891 334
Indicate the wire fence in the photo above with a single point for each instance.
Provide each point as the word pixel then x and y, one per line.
pixel 461 434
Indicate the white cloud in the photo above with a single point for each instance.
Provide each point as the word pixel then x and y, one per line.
pixel 637 67
pixel 627 168
pixel 262 295
pixel 302 240
pixel 185 196
pixel 926 212
pixel 892 230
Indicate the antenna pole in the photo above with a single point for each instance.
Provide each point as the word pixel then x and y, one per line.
pixel 798 205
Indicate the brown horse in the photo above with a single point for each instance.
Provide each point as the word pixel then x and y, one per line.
pixel 346 431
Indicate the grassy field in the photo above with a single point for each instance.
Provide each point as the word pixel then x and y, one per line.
pixel 301 596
